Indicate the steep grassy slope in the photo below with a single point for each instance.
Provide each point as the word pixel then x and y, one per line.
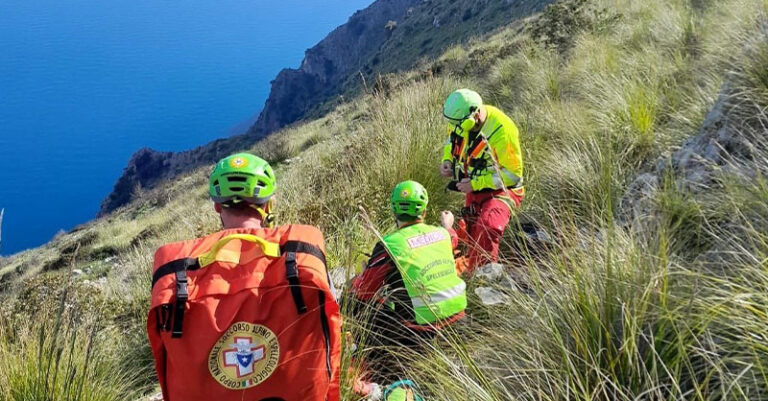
pixel 666 302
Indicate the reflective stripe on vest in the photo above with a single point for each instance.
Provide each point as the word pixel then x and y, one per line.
pixel 424 257
pixel 440 296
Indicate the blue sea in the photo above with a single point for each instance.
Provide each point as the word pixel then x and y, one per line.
pixel 85 83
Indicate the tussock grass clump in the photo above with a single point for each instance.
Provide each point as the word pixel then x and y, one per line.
pixel 66 356
pixel 67 364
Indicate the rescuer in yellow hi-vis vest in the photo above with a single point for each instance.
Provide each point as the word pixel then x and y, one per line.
pixel 483 159
pixel 409 289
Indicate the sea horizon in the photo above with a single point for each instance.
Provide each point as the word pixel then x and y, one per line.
pixel 86 84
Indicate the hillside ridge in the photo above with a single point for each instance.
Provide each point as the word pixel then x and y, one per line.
pixel 387 36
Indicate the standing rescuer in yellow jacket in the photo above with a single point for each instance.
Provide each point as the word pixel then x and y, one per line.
pixel 483 159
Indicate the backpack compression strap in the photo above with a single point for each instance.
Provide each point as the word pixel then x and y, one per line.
pixel 290 249
pixel 180 267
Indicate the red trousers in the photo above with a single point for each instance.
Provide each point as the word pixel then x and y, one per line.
pixel 486 215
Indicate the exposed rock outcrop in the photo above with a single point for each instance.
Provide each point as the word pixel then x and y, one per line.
pixel 727 143
pixel 147 167
pixel 728 146
pixel 326 65
pixel 731 147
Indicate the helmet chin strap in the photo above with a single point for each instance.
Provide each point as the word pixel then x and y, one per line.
pixel 267 217
pixel 467 124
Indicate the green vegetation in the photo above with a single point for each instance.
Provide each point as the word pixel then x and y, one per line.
pixel 671 303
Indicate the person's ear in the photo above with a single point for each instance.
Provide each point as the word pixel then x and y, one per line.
pixel 217 208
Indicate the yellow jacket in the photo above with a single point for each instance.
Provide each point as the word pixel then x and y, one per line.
pixel 472 157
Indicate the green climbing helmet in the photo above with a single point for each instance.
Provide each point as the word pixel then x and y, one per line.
pixel 403 390
pixel 242 177
pixel 409 200
pixel 460 104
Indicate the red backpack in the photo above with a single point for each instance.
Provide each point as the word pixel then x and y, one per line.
pixel 245 314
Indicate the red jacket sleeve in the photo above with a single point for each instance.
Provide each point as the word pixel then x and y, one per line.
pixel 454 238
pixel 366 285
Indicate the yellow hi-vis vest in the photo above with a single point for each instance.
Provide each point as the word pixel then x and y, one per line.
pixel 424 256
pixel 473 157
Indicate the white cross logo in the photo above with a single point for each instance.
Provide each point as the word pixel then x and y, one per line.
pixel 243 355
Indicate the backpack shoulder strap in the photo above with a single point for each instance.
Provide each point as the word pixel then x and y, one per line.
pixel 290 249
pixel 303 247
pixel 174 267
pixel 178 267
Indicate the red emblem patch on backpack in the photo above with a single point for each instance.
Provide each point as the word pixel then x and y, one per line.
pixel 246 355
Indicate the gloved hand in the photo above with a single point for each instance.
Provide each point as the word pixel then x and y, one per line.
pixel 446 169
pixel 375 393
pixel 465 185
pixel 446 219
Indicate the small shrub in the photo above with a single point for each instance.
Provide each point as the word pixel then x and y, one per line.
pixel 562 22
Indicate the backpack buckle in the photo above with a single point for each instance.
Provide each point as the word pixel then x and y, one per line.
pixel 181 303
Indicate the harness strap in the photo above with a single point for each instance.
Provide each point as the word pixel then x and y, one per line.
pixel 477 147
pixel 178 267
